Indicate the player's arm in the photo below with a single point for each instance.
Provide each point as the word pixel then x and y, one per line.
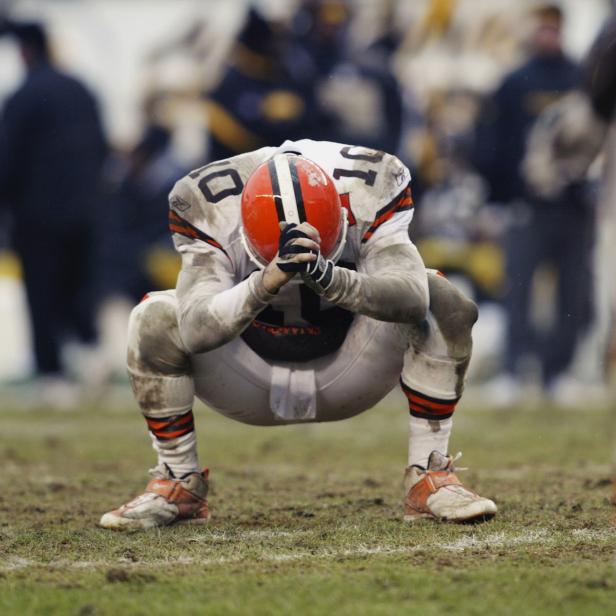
pixel 212 309
pixel 391 284
pixel 393 287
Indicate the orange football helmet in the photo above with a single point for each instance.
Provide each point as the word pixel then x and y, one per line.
pixel 293 189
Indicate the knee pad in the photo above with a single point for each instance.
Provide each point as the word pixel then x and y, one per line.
pixel 154 344
pixel 454 313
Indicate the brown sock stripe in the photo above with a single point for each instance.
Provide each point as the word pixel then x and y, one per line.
pixel 171 427
pixel 427 407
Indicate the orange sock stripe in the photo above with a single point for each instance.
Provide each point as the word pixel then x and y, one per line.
pixel 176 420
pixel 417 410
pixel 427 407
pixel 166 436
pixel 171 427
pixel 421 413
pixel 154 424
pixel 433 406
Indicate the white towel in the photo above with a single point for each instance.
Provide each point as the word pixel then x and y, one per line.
pixel 293 396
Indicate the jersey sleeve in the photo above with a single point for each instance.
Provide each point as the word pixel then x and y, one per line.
pixel 188 223
pixel 212 307
pixel 391 223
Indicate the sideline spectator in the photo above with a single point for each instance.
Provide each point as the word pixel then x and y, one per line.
pixel 558 230
pixel 600 85
pixel 51 151
pixel 260 100
pixel 136 226
pixel 357 96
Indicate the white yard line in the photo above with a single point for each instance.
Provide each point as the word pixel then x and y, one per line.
pixel 247 535
pixel 590 534
pixel 471 542
pixel 496 540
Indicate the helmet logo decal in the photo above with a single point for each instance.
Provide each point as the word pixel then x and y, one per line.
pixel 316 177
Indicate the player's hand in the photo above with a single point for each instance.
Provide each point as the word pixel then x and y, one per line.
pixel 317 273
pixel 298 248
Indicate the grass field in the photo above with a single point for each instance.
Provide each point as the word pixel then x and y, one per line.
pixel 307 519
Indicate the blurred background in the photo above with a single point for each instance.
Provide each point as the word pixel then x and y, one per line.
pixel 501 110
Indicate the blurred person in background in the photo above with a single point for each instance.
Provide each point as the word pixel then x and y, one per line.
pixel 456 231
pixel 562 148
pixel 600 86
pixel 542 230
pixel 137 255
pixel 136 227
pixel 51 152
pixel 357 96
pixel 262 98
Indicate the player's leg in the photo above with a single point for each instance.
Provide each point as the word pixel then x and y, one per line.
pixel 432 379
pixel 160 373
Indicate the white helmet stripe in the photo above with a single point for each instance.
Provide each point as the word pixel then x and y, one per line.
pixel 287 193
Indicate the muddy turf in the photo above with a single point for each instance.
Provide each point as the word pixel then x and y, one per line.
pixel 308 520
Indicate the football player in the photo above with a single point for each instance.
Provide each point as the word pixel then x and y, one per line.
pixel 301 299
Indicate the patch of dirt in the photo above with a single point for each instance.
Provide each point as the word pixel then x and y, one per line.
pixel 593 484
pixel 120 575
pixel 600 583
pixel 371 483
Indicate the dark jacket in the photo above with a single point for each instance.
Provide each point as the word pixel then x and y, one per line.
pixel 51 151
pixel 508 115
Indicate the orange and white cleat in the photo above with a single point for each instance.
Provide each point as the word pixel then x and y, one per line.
pixel 437 493
pixel 166 500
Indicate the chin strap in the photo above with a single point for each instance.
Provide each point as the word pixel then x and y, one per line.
pixel 252 255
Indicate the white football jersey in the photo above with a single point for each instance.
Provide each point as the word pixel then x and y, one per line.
pixel 205 216
pixel 374 188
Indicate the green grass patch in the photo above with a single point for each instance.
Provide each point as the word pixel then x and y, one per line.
pixel 308 519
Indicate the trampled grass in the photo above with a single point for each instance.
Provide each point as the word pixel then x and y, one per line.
pixel 307 519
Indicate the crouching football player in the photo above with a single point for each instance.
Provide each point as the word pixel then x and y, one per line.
pixel 300 299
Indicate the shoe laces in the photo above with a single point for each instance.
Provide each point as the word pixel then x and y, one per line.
pixel 452 460
pixel 161 471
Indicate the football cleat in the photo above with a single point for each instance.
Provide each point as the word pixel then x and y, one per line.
pixel 166 500
pixel 437 493
pixel 290 189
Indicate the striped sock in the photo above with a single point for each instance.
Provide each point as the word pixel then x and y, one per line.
pixel 175 441
pixel 429 407
pixel 425 436
pixel 430 424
